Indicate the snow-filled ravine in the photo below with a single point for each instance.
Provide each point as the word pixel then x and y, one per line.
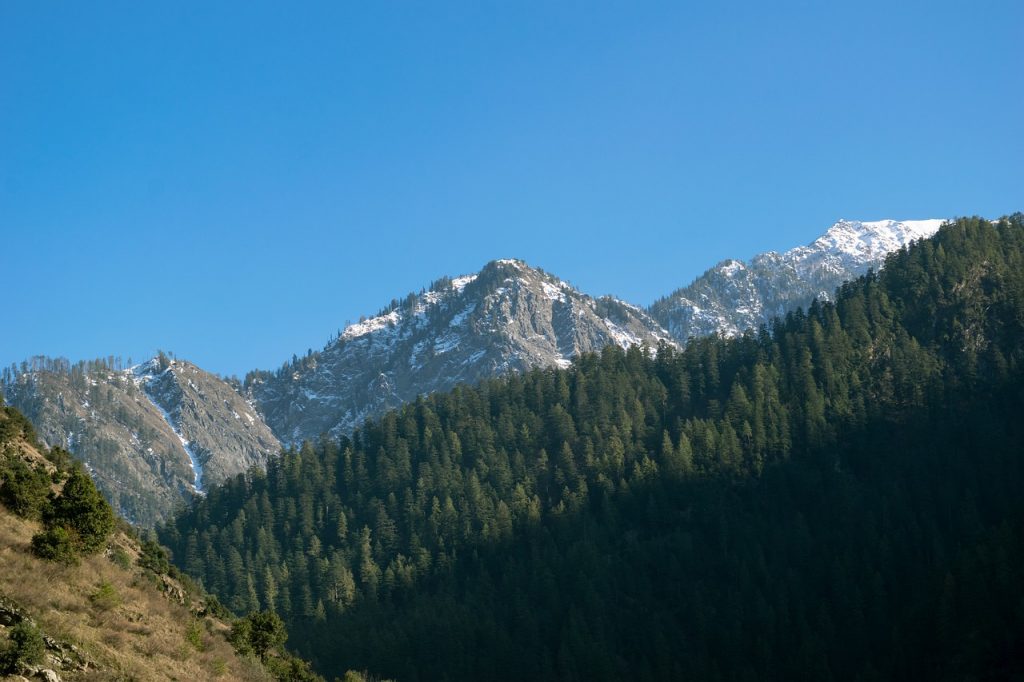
pixel 143 377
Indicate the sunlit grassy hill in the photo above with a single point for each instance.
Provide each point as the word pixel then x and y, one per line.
pixel 106 618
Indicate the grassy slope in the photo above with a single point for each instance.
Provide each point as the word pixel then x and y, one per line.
pixel 140 632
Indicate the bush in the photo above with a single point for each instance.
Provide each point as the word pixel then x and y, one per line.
pixel 291 669
pixel 154 558
pixel 120 558
pixel 23 489
pixel 83 512
pixel 16 424
pixel 219 667
pixel 241 630
pixel 194 635
pixel 258 633
pixel 62 458
pixel 216 609
pixel 55 544
pixel 105 597
pixel 25 647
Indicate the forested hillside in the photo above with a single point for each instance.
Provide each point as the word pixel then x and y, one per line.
pixel 836 497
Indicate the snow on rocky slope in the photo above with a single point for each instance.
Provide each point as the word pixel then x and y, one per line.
pixel 152 435
pixel 507 317
pixel 737 295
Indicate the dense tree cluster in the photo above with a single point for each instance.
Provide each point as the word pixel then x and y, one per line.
pixel 836 497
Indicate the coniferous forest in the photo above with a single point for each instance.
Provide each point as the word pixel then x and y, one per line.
pixel 835 497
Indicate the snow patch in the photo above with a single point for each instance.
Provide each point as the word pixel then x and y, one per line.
pixel 862 241
pixel 193 460
pixel 620 336
pixel 732 267
pixel 461 316
pixel 373 324
pixel 552 293
pixel 447 343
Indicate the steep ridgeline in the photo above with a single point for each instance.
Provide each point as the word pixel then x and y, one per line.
pixel 507 317
pixel 735 295
pixel 151 435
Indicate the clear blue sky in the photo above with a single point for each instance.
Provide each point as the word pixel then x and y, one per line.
pixel 234 181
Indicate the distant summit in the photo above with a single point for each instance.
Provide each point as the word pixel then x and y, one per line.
pixel 737 295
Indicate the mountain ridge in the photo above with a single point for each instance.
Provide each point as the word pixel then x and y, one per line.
pixel 736 295
pixel 151 435
pixel 200 429
pixel 506 317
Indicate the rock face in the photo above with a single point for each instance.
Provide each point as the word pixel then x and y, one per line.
pixel 151 435
pixel 220 432
pixel 507 317
pixel 735 295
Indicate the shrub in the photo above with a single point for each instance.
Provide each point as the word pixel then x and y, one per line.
pixel 83 512
pixel 291 669
pixel 154 558
pixel 241 630
pixel 62 458
pixel 258 633
pixel 120 558
pixel 105 597
pixel 54 544
pixel 216 609
pixel 23 489
pixel 219 667
pixel 25 646
pixel 16 424
pixel 194 635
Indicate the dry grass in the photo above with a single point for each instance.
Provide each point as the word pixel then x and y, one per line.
pixel 131 631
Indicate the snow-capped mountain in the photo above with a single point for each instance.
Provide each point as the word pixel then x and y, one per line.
pixel 737 295
pixel 151 435
pixel 157 433
pixel 507 317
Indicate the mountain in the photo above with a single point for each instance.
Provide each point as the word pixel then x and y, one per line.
pixel 155 434
pixel 152 435
pixel 510 317
pixel 836 499
pixel 507 317
pixel 738 295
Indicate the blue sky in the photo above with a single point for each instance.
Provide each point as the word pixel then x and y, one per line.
pixel 235 181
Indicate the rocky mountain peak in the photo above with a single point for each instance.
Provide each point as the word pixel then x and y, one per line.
pixel 851 244
pixel 508 316
pixel 737 295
